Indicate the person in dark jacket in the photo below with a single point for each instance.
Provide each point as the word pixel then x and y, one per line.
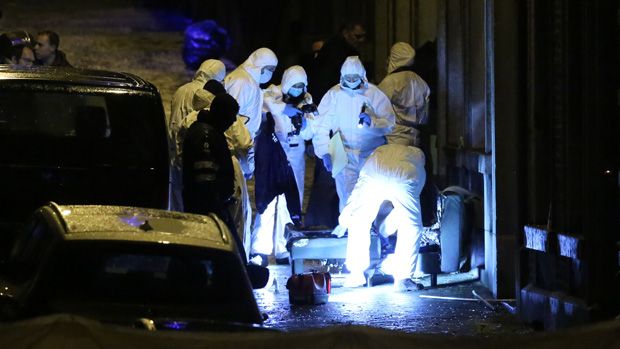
pixel 208 174
pixel 47 52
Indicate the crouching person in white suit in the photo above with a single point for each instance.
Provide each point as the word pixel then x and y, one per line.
pixel 395 173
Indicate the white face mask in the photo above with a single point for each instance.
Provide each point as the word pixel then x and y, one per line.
pixel 265 76
pixel 295 92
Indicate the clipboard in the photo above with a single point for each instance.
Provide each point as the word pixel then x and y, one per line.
pixel 338 154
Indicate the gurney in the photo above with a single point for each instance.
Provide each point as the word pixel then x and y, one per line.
pixel 311 243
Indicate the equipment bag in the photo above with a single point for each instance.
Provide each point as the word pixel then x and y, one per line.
pixel 309 288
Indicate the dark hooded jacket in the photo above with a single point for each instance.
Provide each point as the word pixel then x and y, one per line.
pixel 208 175
pixel 273 172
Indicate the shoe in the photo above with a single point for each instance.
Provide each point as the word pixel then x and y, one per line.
pixel 282 261
pixel 406 285
pixel 259 259
pixel 354 280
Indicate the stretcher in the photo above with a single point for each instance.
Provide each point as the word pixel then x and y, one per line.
pixel 309 243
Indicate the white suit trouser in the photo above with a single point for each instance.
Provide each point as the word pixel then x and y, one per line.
pixel 269 227
pixel 362 209
pixel 241 211
pixel 346 179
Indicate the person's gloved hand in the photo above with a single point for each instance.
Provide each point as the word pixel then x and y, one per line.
pixel 291 111
pixel 247 176
pixel 327 162
pixel 365 119
pixel 339 231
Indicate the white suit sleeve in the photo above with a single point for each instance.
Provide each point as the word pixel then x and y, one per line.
pixel 244 94
pixel 381 112
pixel 323 124
pixel 241 145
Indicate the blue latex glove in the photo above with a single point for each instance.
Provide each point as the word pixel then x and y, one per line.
pixel 291 111
pixel 365 119
pixel 327 162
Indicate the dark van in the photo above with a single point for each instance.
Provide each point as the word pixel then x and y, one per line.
pixel 78 136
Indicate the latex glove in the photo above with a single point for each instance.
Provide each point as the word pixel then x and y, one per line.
pixel 339 231
pixel 365 119
pixel 291 111
pixel 327 162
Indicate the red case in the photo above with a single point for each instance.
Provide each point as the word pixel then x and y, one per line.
pixel 309 288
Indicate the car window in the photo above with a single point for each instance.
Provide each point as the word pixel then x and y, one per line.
pixel 177 280
pixel 61 127
pixel 54 114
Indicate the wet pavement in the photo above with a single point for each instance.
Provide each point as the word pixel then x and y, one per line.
pixel 380 306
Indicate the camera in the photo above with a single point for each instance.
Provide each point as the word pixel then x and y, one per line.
pixel 308 108
pixel 297 120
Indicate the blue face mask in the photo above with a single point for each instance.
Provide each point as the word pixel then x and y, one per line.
pixel 353 85
pixel 295 92
pixel 265 76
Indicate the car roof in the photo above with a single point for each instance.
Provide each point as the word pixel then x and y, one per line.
pixel 74 76
pixel 124 223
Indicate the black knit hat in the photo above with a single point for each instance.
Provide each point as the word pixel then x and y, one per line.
pixel 215 87
pixel 223 111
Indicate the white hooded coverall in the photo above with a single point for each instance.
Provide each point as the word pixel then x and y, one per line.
pixel 409 95
pixel 339 111
pixel 181 106
pixel 243 84
pixel 395 173
pixel 270 225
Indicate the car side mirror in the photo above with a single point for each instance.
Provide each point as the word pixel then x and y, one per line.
pixel 259 276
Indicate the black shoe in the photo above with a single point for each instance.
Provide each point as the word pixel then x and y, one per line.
pixel 282 261
pixel 259 259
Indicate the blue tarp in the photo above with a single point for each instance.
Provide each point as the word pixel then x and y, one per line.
pixel 204 40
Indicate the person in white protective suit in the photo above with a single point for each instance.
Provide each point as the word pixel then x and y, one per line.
pixel 361 113
pixel 181 106
pixel 291 107
pixel 243 84
pixel 239 142
pixel 408 93
pixel 395 173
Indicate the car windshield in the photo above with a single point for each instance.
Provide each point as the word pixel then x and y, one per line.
pixel 60 127
pixel 139 280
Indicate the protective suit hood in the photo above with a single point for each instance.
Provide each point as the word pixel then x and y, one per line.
pixel 353 65
pixel 257 60
pixel 211 69
pixel 401 55
pixel 292 76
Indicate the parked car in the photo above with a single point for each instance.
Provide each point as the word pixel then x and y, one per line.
pixel 128 266
pixel 77 136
